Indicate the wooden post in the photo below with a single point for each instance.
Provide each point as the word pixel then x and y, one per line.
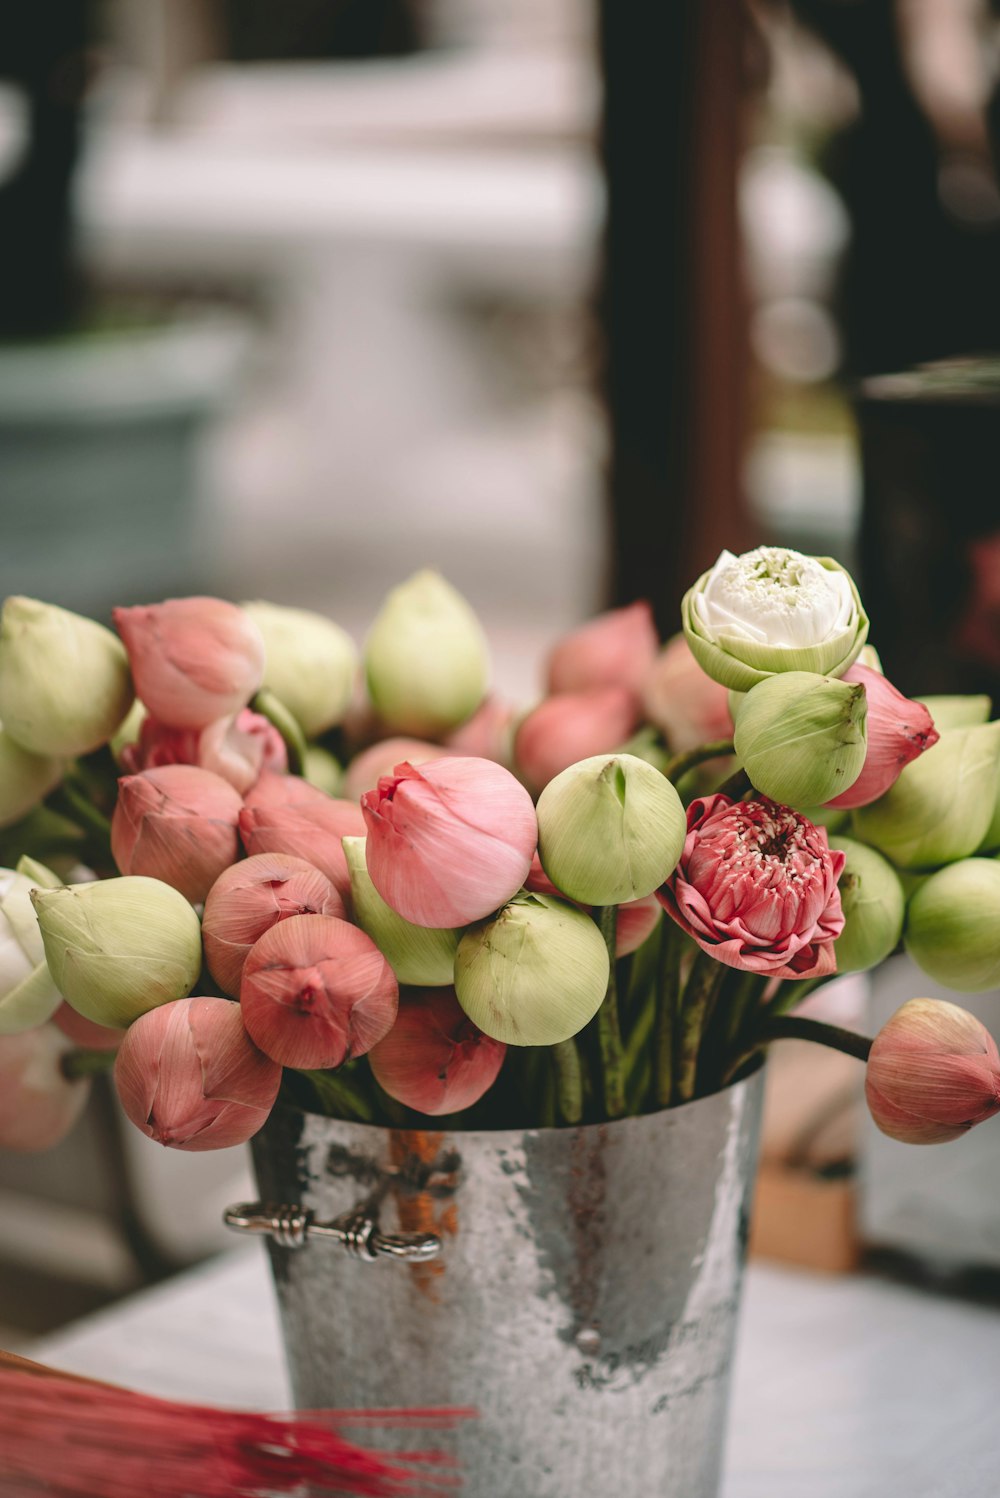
pixel 671 301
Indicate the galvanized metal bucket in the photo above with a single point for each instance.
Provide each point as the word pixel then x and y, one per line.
pixel 579 1287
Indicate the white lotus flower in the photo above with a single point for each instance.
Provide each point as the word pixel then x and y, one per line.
pixel 773 610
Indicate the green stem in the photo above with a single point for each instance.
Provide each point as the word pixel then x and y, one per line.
pixel 699 994
pixel 735 786
pixel 797 1027
pixel 76 1064
pixel 340 1096
pixel 668 991
pixel 69 801
pixel 569 1081
pixel 680 764
pixel 277 714
pixel 608 1028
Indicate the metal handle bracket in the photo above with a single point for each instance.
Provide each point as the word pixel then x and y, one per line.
pixel 357 1231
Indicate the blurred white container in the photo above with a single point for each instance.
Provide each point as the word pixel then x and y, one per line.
pixel 942 1201
pixel 98 458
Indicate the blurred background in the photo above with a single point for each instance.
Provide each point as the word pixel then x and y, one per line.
pixel 558 297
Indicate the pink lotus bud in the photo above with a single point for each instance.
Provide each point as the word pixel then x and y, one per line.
pixel 448 843
pixel 237 748
pixel 615 649
pixel 434 1059
pixel 933 1072
pixel 177 824
pixel 898 731
pixel 38 1105
pixel 571 727
pixel 285 814
pixel 367 768
pixel 756 887
pixel 251 897
pixel 487 734
pixel 194 660
pixel 685 704
pixel 85 1032
pixel 316 992
pixel 637 919
pixel 189 1076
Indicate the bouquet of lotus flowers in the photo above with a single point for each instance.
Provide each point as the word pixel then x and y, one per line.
pixel 236 875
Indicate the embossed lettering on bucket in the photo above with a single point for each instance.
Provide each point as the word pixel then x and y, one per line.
pixel 584 1298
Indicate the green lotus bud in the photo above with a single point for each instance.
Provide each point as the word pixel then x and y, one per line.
pixel 28 994
pixel 25 779
pixel 871 897
pixel 322 769
pixel 426 659
pixel 533 975
pixel 990 842
pixel 610 829
pixel 957 712
pixel 309 664
pixel 420 956
pixel 771 610
pixel 119 947
pixel 942 804
pixel 64 680
pixel 952 923
pixel 801 737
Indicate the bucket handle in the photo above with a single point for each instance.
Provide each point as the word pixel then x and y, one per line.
pixel 357 1231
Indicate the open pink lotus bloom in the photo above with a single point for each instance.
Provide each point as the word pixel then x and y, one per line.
pixel 898 731
pixel 615 649
pixel 933 1073
pixel 251 897
pixel 38 1105
pixel 177 824
pixel 237 748
pixel 189 1076
pixel 285 814
pixel 637 919
pixel 317 991
pixel 570 727
pixel 685 704
pixel 450 842
pixel 193 660
pixel 756 887
pixel 434 1059
pixel 367 768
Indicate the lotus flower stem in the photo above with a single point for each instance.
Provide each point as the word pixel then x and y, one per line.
pixel 341 1096
pixel 70 802
pixel 569 1081
pixel 735 785
pixel 608 1029
pixel 76 1064
pixel 274 710
pixel 667 1006
pixel 700 993
pixel 680 764
pixel 798 1027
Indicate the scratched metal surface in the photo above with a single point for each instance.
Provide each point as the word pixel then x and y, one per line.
pixel 584 1301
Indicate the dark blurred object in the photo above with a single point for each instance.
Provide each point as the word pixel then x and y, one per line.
pixel 920 276
pixel 42 49
pixel 261 31
pixel 930 531
pixel 671 301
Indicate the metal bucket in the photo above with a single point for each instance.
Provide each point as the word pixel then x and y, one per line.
pixel 584 1297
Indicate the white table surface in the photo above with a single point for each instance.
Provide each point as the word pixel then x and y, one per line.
pixel 843 1387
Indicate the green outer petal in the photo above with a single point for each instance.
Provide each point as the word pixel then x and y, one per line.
pixel 30 1004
